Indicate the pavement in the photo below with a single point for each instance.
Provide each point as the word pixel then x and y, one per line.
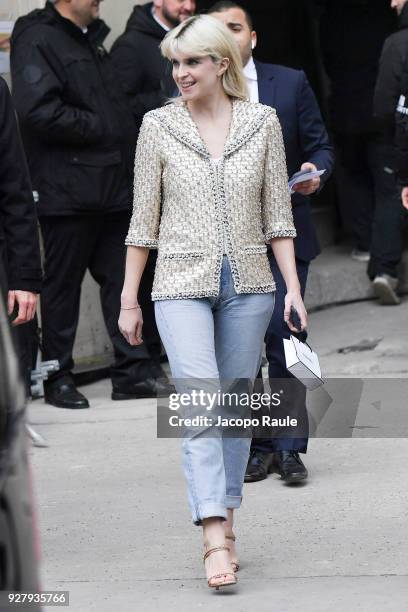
pixel 113 517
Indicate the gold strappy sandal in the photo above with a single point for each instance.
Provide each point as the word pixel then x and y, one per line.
pixel 223 579
pixel 235 564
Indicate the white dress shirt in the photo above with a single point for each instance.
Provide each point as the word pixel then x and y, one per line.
pixel 252 80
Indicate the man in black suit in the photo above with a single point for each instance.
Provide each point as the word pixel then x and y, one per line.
pixel 20 264
pixel 307 148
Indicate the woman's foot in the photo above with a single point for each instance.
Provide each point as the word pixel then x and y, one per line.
pixel 218 568
pixel 230 539
pixel 216 555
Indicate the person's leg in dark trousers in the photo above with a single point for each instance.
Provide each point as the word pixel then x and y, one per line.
pixel 387 242
pixel 134 372
pixel 151 335
pixel 68 244
pixel 286 445
pixel 25 337
pixel 356 186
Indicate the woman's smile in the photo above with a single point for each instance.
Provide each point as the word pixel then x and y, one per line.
pixel 187 85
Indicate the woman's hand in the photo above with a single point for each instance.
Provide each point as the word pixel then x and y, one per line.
pixel 293 298
pixel 404 197
pixel 131 324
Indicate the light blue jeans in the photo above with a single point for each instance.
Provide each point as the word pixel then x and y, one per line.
pixel 211 340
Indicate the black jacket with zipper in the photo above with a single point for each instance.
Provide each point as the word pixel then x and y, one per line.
pixel 392 83
pixel 76 124
pixel 144 73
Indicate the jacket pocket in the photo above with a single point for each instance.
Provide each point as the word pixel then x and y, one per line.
pixel 93 178
pixel 254 249
pixel 181 254
pixel 97 160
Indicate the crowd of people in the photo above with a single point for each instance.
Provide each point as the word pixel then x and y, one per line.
pixel 217 253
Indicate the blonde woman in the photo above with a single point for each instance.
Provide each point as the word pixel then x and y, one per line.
pixel 210 191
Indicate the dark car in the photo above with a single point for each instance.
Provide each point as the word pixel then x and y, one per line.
pixel 19 551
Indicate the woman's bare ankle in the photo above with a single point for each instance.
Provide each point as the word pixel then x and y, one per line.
pixel 229 523
pixel 213 531
pixel 217 562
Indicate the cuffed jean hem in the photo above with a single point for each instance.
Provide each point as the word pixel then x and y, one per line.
pixel 208 510
pixel 233 501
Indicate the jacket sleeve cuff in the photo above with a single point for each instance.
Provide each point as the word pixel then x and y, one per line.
pixel 149 243
pixel 33 286
pixel 282 233
pixel 25 279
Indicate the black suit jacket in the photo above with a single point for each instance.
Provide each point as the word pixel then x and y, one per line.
pixel 305 137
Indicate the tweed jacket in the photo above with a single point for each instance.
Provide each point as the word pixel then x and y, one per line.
pixel 192 210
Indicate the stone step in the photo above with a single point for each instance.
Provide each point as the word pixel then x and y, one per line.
pixel 335 278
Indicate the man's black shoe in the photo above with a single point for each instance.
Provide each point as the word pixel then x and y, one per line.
pixel 64 394
pixel 289 465
pixel 258 466
pixel 150 387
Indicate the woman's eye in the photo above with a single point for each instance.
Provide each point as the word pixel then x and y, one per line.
pixel 192 62
pixel 174 63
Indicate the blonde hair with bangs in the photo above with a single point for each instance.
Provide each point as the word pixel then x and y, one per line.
pixel 203 35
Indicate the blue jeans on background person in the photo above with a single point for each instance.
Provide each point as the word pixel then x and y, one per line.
pixel 214 339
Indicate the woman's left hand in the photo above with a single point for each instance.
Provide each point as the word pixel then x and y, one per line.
pixel 293 298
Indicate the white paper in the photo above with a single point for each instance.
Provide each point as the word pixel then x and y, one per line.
pixel 301 177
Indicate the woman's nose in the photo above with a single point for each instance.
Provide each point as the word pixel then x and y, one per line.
pixel 182 71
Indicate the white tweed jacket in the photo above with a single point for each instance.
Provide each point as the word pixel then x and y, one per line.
pixel 191 209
